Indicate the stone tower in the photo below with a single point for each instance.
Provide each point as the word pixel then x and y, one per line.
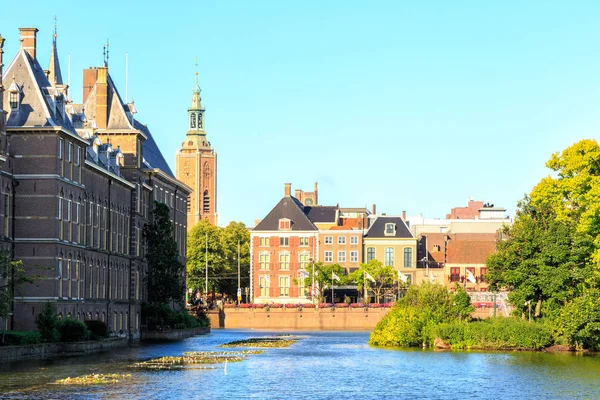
pixel 196 164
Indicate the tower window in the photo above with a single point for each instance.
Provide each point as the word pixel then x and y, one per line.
pixel 206 208
pixel 192 121
pixel 199 120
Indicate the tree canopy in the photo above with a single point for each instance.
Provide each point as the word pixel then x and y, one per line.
pixel 551 254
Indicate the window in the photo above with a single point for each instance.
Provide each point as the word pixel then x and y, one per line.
pixel 483 272
pixel 284 261
pixel 60 278
pixel 353 239
pixel 302 289
pixel 370 253
pixel 328 239
pixel 264 260
pixel 264 282
pixel 284 285
pixel 60 149
pixel 199 120
pixel 389 256
pixel 455 274
pixel 390 229
pixel 472 271
pixel 329 256
pixel 303 241
pixel 6 214
pixel 341 256
pixel 14 99
pixel 284 224
pixel 284 241
pixel 303 259
pixel 264 242
pixel 354 256
pixel 192 121
pixel 70 153
pixel 341 239
pixel 407 258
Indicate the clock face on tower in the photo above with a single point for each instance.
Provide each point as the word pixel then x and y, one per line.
pixel 207 171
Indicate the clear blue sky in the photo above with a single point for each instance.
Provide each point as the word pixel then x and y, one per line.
pixel 410 105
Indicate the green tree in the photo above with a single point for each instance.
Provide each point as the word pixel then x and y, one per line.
pixel 233 234
pixel 13 275
pixel 197 256
pixel 47 323
pixel 165 272
pixel 323 277
pixel 384 278
pixel 461 304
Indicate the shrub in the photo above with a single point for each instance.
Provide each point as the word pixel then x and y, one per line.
pixel 21 338
pixel 47 323
pixel 98 329
pixel 72 330
pixel 494 333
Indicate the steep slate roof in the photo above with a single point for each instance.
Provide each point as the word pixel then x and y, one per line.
pixel 377 229
pixel 153 157
pixel 288 207
pixel 55 76
pixel 37 106
pixel 469 252
pixel 321 213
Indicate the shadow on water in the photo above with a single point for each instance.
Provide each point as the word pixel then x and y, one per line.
pixel 320 365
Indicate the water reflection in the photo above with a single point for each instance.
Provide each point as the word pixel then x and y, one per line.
pixel 322 365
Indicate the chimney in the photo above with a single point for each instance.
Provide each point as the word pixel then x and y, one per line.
pixel 28 40
pixel 374 209
pixel 298 194
pixel 287 189
pixel 89 80
pixel 102 98
pixel 404 215
pixel 316 193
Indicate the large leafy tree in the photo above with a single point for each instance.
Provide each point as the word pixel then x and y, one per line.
pixel 322 278
pixel 384 278
pixel 551 255
pixel 13 275
pixel 217 248
pixel 165 272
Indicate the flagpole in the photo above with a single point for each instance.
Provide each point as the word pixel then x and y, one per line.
pixel 332 301
pixel 365 285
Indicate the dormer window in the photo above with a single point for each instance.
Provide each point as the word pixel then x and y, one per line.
pixel 285 224
pixel 390 229
pixel 14 99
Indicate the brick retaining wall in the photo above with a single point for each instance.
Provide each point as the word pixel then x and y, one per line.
pixel 55 349
pixel 175 334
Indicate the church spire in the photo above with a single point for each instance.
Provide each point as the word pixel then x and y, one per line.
pixel 196 99
pixel 54 75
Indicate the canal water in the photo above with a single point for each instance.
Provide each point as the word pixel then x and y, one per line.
pixel 323 365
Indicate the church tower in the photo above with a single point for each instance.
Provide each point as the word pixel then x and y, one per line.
pixel 196 164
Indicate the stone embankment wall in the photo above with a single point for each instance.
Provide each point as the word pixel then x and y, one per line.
pixel 294 319
pixel 55 349
pixel 174 334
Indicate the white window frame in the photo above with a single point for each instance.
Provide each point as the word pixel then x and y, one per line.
pixel 354 256
pixel 353 239
pixel 328 239
pixel 342 256
pixel 328 256
pixel 341 239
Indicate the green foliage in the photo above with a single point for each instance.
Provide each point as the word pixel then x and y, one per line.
pixel 21 338
pixel 579 321
pixel 72 330
pixel 98 329
pixel 222 245
pixel 384 278
pixel 494 333
pixel 161 315
pixel 165 272
pixel 47 323
pixel 13 275
pixel 323 277
pixel 411 320
pixel 461 305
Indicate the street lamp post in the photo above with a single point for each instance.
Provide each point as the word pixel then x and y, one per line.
pixel 313 280
pixel 239 289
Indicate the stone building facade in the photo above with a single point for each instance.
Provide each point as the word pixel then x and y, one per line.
pixel 78 185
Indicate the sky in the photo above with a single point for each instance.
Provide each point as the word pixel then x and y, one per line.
pixel 410 105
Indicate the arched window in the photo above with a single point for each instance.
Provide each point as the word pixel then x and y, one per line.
pixel 60 215
pixel 192 121
pixel 70 218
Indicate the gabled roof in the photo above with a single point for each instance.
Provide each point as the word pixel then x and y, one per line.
pixel 288 207
pixel 469 252
pixel 377 229
pixel 321 213
pixel 38 97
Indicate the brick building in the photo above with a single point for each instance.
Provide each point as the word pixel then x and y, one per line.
pixel 78 184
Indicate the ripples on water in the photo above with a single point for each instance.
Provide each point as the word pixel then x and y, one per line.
pixel 323 365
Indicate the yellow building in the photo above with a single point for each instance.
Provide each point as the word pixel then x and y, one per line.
pixel 389 241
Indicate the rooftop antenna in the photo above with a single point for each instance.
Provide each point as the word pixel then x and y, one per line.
pixel 105 53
